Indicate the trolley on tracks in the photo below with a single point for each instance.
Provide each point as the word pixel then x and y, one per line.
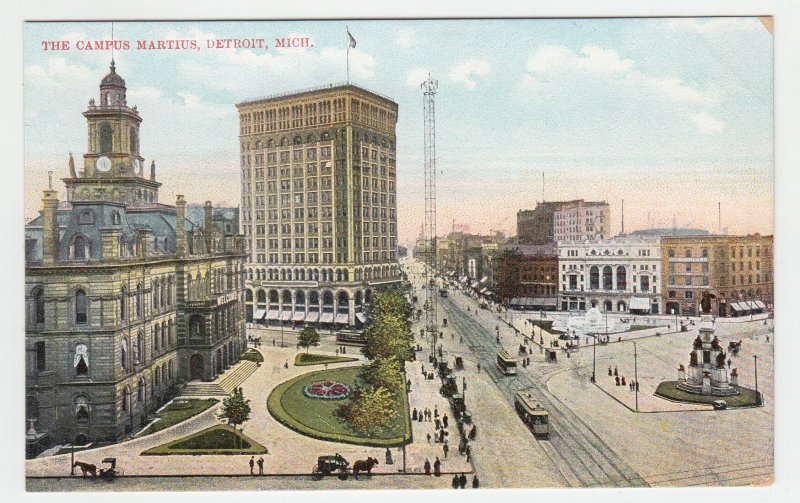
pixel 506 363
pixel 532 414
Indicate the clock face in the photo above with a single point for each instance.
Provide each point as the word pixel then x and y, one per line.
pixel 103 164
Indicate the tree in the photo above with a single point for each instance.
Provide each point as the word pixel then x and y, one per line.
pixel 308 337
pixel 391 303
pixel 370 410
pixel 235 409
pixel 389 337
pixel 383 372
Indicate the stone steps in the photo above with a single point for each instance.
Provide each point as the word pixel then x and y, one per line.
pixel 224 384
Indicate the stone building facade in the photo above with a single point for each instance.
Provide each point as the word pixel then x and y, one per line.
pixel 527 277
pixel 718 275
pixel 553 221
pixel 319 204
pixel 621 274
pixel 125 298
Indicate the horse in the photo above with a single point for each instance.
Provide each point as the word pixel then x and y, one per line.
pixel 364 465
pixel 86 468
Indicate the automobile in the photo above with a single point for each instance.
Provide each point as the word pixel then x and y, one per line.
pixel 719 404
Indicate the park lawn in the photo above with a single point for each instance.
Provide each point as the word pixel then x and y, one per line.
pixel 178 411
pixel 315 417
pixel 253 356
pixel 634 328
pixel 303 359
pixel 669 390
pixel 218 439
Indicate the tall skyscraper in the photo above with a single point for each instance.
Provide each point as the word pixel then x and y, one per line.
pixel 318 204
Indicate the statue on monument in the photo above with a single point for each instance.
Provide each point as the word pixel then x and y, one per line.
pixel 698 343
pixel 692 359
pixel 720 360
pixel 153 169
pixel 72 166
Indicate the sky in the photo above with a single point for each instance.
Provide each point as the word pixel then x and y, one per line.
pixel 673 116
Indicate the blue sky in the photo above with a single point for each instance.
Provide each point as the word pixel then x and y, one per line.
pixel 672 115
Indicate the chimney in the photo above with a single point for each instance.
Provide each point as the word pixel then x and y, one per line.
pixel 180 219
pixel 49 227
pixel 208 226
pixel 110 242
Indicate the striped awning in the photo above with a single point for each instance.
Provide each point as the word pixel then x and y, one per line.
pixel 259 314
pixel 360 317
pixel 273 314
pixel 342 318
pixel 639 303
pixel 286 315
pixel 326 318
pixel 312 317
pixel 299 316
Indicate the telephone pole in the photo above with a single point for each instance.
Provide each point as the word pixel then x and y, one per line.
pixel 429 88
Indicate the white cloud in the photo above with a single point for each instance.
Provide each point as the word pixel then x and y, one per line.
pixel 707 124
pixel 466 72
pixel 555 59
pixel 405 38
pixel 672 89
pixel 417 76
pixel 714 25
pixel 56 71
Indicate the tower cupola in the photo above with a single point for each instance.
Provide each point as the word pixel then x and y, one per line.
pixel 112 88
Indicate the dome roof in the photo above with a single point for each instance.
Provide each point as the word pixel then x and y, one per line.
pixel 112 79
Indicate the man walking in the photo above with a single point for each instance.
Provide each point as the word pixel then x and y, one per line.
pixel 437 467
pixel 468 452
pixel 261 466
pixel 252 464
pixel 445 449
pixel 462 481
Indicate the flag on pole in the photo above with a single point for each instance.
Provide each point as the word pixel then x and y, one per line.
pixel 352 44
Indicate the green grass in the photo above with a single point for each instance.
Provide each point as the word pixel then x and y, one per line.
pixel 669 390
pixel 253 356
pixel 303 359
pixel 315 417
pixel 218 439
pixel 178 411
pixel 67 450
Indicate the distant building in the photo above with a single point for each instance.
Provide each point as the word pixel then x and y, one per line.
pixel 553 221
pixel 126 298
pixel 527 277
pixel 402 251
pixel 719 275
pixel 621 274
pixel 670 231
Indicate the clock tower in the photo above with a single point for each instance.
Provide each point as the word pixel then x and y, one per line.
pixel 113 169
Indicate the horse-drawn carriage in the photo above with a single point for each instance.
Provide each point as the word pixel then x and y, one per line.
pixel 336 464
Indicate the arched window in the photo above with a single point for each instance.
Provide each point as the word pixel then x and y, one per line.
pixel 607 277
pixel 169 333
pixel 156 336
pixel 106 138
pixel 82 409
pixel 123 304
pixel 115 218
pixel 139 299
pixel 126 399
pixel 163 292
pixel 86 217
pixel 81 307
pixel 38 305
pixel 81 360
pixel 138 355
pixel 123 247
pixel 140 390
pixel 156 290
pixel 164 340
pixel 594 278
pixel 79 248
pixel 688 253
pixel 123 354
pixel 196 327
pixel 622 277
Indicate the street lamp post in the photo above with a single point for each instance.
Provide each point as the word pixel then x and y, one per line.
pixel 594 358
pixel 755 364
pixel 636 376
pixel 282 334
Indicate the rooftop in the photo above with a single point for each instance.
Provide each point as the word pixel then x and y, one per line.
pixel 309 90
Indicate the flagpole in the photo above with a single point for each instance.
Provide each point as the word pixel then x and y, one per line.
pixel 348 53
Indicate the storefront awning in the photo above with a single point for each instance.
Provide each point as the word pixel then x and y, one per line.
pixel 259 315
pixel 737 306
pixel 360 317
pixel 342 318
pixel 286 315
pixel 326 318
pixel 273 314
pixel 759 304
pixel 639 303
pixel 299 316
pixel 534 301
pixel 312 317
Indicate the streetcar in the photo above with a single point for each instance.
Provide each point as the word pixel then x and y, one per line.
pixel 506 363
pixel 532 414
pixel 443 292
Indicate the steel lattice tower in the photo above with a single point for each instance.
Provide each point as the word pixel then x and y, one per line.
pixel 429 88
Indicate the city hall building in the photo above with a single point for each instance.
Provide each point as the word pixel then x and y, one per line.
pixel 126 298
pixel 319 174
pixel 621 274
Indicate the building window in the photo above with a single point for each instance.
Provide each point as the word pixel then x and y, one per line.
pixel 139 299
pixel 688 294
pixel 41 360
pixel 123 354
pixel 81 308
pixel 79 248
pixel 38 305
pixel 81 360
pixel 106 138
pixel 138 355
pixel 622 276
pixel 607 278
pixel 82 409
pixel 594 278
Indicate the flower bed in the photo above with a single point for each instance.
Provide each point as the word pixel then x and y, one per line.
pixel 327 390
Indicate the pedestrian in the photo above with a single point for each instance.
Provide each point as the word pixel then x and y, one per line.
pixel 408 385
pixel 616 374
pixel 261 466
pixel 637 386
pixel 429 438
pixel 623 380
pixel 435 411
pixel 414 414
pixel 461 339
pixel 445 449
pixel 252 464
pixel 729 363
pixel 462 481
pixel 479 368
pixel 437 467
pixel 475 483
pixel 444 420
pixel 286 364
pixel 455 481
pixel 617 380
pixel 389 460
pixel 273 343
pixel 468 452
pixel 427 467
pixel 438 424
pixel 423 369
